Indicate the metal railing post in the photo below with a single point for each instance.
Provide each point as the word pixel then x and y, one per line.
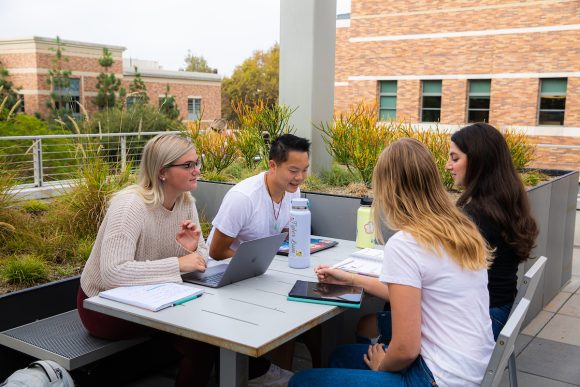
pixel 37 161
pixel 123 152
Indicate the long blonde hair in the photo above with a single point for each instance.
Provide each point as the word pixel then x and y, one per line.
pixel 409 196
pixel 159 152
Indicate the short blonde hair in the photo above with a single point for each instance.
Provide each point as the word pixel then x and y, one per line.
pixel 409 196
pixel 159 152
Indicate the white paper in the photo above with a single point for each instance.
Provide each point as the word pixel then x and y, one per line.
pixel 152 297
pixel 366 262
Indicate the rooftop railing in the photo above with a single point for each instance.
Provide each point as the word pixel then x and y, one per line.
pixel 36 160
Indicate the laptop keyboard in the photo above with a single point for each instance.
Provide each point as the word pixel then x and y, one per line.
pixel 213 279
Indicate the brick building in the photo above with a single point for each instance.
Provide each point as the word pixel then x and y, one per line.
pixel 29 60
pixel 513 63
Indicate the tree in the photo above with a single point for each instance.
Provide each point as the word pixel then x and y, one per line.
pixel 197 63
pixel 254 80
pixel 61 102
pixel 168 107
pixel 138 89
pixel 8 95
pixel 107 84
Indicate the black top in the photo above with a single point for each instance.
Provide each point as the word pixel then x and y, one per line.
pixel 503 273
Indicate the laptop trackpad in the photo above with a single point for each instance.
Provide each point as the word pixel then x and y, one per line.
pixel 209 272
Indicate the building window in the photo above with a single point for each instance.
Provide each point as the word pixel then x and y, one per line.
pixel 131 101
pixel 478 103
pixel 69 96
pixel 431 107
pixel 552 101
pixel 387 100
pixel 193 108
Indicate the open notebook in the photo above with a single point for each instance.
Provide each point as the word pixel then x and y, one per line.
pixel 366 261
pixel 153 297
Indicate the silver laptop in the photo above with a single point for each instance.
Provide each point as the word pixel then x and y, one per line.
pixel 252 258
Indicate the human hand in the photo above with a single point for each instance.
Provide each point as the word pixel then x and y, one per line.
pixel 374 356
pixel 330 275
pixel 188 235
pixel 192 262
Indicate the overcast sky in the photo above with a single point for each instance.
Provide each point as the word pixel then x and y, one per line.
pixel 224 32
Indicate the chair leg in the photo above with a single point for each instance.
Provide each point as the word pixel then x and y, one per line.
pixel 512 370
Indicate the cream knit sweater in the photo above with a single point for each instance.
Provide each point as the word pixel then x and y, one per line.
pixel 136 245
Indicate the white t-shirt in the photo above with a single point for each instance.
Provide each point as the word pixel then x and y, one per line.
pixel 456 335
pixel 247 212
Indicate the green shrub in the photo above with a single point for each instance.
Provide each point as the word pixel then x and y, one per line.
pixel 338 176
pixel 139 118
pixel 83 249
pixel 25 270
pixel 35 207
pixel 355 140
pixel 250 143
pixel 532 178
pixel 521 150
pixel 313 183
pixel 217 150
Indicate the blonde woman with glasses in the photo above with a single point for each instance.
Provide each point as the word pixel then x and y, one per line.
pixel 435 276
pixel 150 234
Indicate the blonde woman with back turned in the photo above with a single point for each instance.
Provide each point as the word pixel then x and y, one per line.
pixel 435 275
pixel 149 235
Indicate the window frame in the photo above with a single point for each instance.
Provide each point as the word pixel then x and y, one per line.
pixel 478 94
pixel 431 94
pixel 388 94
pixel 195 115
pixel 551 94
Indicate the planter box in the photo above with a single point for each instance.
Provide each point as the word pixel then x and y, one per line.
pixel 553 205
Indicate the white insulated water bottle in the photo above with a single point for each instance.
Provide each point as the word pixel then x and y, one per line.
pixel 299 234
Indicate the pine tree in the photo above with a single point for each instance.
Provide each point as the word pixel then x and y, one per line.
pixel 168 106
pixel 8 95
pixel 59 80
pixel 138 89
pixel 107 84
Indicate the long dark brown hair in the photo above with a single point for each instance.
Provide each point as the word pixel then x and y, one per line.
pixel 493 187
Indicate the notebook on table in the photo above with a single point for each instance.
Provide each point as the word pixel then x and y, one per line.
pixel 366 262
pixel 252 258
pixel 316 244
pixel 327 294
pixel 153 297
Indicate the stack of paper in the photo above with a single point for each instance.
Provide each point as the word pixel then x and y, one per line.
pixel 153 297
pixel 366 261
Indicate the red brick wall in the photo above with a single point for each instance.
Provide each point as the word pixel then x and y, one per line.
pixel 514 101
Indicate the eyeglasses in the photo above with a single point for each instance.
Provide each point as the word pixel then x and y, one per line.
pixel 189 165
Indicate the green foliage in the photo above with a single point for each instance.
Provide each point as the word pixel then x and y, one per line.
pixel 83 207
pixel 355 140
pixel 260 124
pixel 218 150
pixel 25 270
pixel 250 143
pixel 533 177
pixel 60 104
pixel 8 94
pixel 338 176
pixel 35 207
pixel 138 89
pixel 254 80
pixel 313 183
pixel 521 150
pixel 140 118
pixel 107 84
pixel 168 106
pixel 198 64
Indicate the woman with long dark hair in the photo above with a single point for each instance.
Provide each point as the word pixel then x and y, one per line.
pixel 495 199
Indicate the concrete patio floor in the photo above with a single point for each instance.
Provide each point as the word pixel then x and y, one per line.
pixel 548 348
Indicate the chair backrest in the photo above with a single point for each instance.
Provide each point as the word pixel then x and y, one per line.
pixel 530 281
pixel 504 346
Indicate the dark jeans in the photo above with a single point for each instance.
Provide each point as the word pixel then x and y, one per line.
pixel 349 369
pixel 499 316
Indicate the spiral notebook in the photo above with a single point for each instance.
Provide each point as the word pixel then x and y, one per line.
pixel 316 244
pixel 366 262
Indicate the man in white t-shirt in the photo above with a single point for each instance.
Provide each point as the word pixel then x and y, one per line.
pixel 259 206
